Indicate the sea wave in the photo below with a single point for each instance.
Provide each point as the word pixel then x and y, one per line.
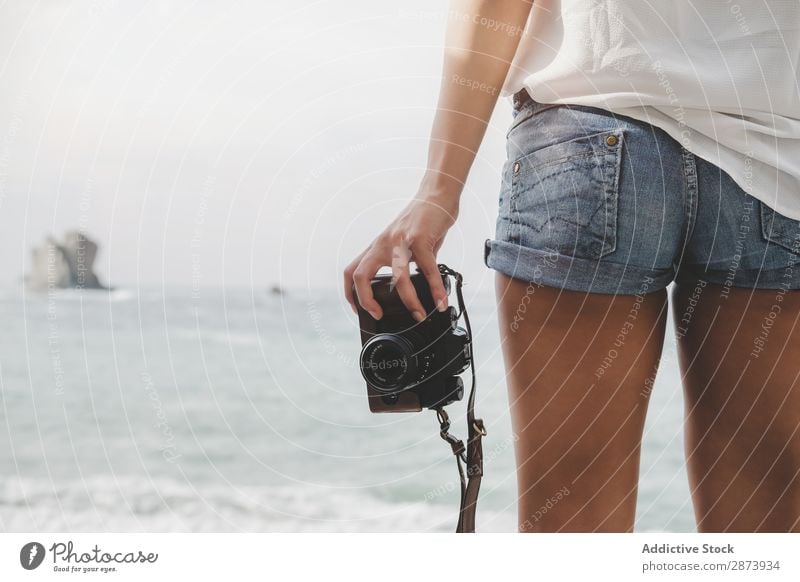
pixel 133 504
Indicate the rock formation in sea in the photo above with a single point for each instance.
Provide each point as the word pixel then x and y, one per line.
pixel 64 265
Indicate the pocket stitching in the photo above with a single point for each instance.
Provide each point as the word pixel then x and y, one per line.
pixel 590 149
pixel 612 194
pixel 769 216
pixel 610 168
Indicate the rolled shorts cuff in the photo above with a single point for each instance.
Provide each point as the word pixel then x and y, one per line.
pixel 552 269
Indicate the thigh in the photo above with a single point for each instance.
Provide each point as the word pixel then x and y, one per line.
pixel 739 351
pixel 579 371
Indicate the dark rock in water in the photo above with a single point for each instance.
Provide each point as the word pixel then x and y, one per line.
pixel 66 265
pixel 276 290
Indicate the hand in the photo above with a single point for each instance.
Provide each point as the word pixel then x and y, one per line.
pixel 415 235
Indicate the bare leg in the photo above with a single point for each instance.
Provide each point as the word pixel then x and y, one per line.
pixel 579 371
pixel 740 356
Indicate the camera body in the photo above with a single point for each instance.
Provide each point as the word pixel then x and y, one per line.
pixel 410 365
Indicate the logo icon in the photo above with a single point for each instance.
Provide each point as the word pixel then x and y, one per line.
pixel 31 555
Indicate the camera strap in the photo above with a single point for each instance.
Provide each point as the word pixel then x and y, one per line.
pixel 470 456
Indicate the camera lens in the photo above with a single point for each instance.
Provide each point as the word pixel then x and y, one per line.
pixel 389 362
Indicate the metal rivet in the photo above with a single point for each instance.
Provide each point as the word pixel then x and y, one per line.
pixel 516 167
pixel 612 140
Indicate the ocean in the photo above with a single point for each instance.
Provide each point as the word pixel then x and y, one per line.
pixel 237 410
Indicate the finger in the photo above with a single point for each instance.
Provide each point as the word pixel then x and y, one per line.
pixel 362 277
pixel 426 261
pixel 348 288
pixel 348 282
pixel 401 279
pixel 408 295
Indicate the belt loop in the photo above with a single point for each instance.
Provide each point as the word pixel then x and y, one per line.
pixel 520 98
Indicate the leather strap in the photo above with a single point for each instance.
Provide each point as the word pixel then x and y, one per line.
pixel 472 454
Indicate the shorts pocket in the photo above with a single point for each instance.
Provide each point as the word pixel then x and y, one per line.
pixel 564 196
pixel 779 229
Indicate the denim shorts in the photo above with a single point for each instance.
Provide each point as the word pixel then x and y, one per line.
pixel 600 202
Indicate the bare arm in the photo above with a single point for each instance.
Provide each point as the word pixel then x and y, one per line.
pixel 482 38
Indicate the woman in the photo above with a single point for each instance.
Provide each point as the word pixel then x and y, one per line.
pixel 608 195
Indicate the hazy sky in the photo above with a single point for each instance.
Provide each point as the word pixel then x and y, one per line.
pixel 224 142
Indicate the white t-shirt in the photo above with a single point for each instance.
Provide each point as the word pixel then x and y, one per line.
pixel 721 77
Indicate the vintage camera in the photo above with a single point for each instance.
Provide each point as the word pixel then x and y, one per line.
pixel 410 365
